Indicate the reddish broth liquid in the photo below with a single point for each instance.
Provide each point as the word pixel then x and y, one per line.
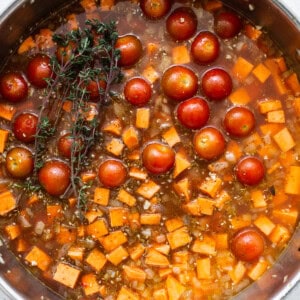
pixel 168 234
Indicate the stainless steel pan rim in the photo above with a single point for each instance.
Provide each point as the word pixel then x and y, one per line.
pixel 282 25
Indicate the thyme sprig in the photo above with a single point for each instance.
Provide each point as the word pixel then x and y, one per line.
pixel 93 58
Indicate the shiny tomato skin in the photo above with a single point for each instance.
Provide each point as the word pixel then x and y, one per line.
pixel 65 144
pixel 247 244
pixel 179 83
pixel 250 170
pixel 131 50
pixel 19 162
pixel 137 91
pixel 54 177
pixel 25 127
pixel 182 23
pixel 227 25
pixel 216 84
pixel 209 143
pixel 112 173
pixel 239 121
pixel 38 70
pixel 96 89
pixel 193 113
pixel 205 48
pixel 158 158
pixel 13 87
pixel 155 9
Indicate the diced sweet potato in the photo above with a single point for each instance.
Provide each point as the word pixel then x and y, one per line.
pixel 173 224
pixel 261 72
pixel 182 188
pixel 171 136
pixel 92 215
pixel 101 196
pixel 142 118
pixel 242 68
pixel 200 206
pixel 115 146
pixel 76 252
pixel 113 240
pixel 241 221
pixel 54 211
pixel 206 246
pixel 258 269
pixel 279 235
pixel 97 229
pixel 117 255
pixel 268 105
pixel 284 140
pixel 179 237
pixel 90 284
pixel 134 273
pixel 276 116
pixel 240 96
pixel 13 231
pixel 7 111
pixel 292 183
pixel 174 287
pixel 258 199
pixel 136 251
pixel 96 259
pixel 127 294
pixel 156 259
pixel 221 199
pixel 130 137
pixel 148 189
pixel 211 186
pixel 65 235
pixel 3 139
pixel 66 274
pixel 118 216
pixel 181 163
pixel 27 45
pixel 221 241
pixel 150 74
pixel 150 218
pixel 72 21
pixel 264 224
pixel 180 55
pixel 137 173
pixel 114 127
pixel 7 202
pixel 288 216
pixel 39 258
pixel 126 198
pixel 160 294
pixel 203 268
pixel 238 272
pixel 162 248
pixel 251 32
pixel 293 83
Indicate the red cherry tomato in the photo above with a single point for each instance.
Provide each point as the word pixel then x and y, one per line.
pixel 239 121
pixel 131 50
pixel 65 144
pixel 250 170
pixel 13 87
pixel 158 158
pixel 54 177
pixel 155 9
pixel 137 91
pixel 193 113
pixel 247 244
pixel 38 70
pixel 205 47
pixel 227 25
pixel 112 173
pixel 182 23
pixel 19 162
pixel 209 143
pixel 25 126
pixel 216 84
pixel 96 89
pixel 179 83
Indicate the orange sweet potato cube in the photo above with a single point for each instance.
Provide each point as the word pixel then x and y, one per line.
pixel 39 258
pixel 66 274
pixel 96 259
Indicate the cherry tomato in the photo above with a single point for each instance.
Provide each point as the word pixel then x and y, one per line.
pixel 179 83
pixel 158 158
pixel 250 170
pixel 155 9
pixel 19 162
pixel 247 244
pixel 96 89
pixel 227 25
pixel 131 50
pixel 65 144
pixel 193 113
pixel 182 23
pixel 38 70
pixel 205 47
pixel 239 121
pixel 112 173
pixel 216 84
pixel 137 91
pixel 13 87
pixel 209 143
pixel 54 177
pixel 25 126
